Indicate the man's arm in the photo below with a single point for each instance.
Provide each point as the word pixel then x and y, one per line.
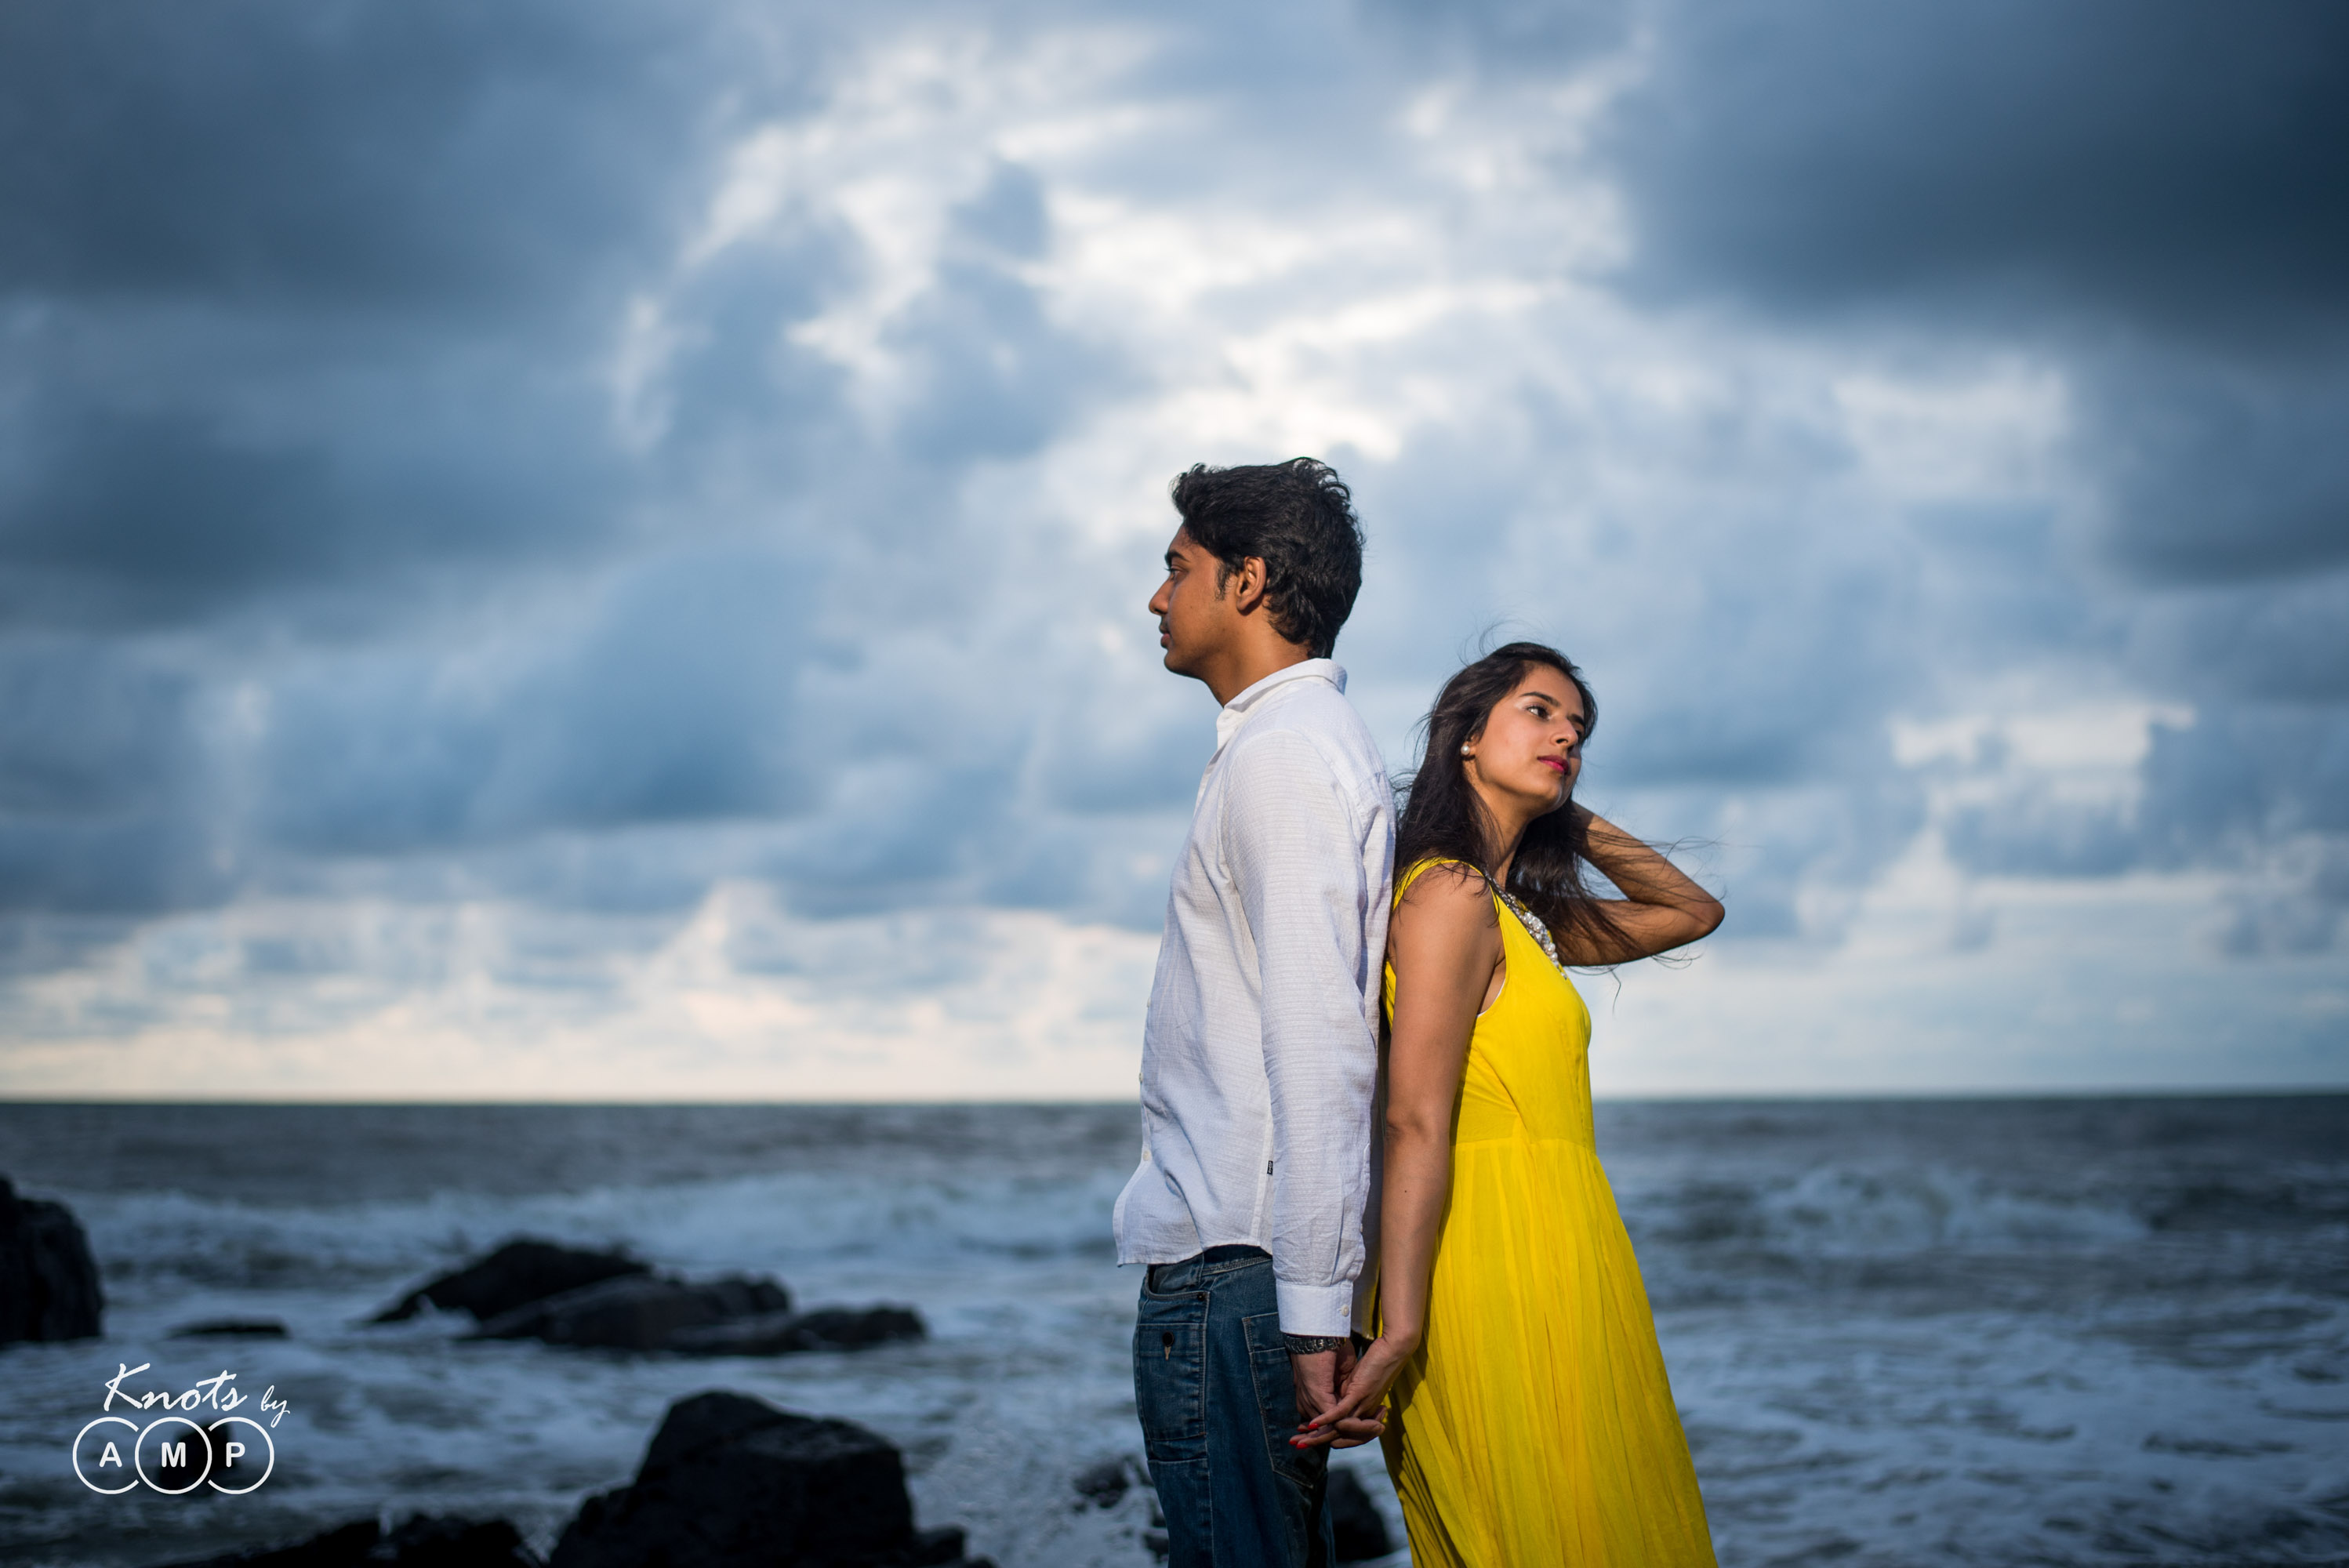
pixel 1444 946
pixel 1294 849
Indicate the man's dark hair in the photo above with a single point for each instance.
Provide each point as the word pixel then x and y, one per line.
pixel 1297 517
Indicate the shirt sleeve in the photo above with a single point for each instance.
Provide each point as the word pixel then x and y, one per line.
pixel 1295 849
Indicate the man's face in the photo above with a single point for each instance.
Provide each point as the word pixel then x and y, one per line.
pixel 1196 616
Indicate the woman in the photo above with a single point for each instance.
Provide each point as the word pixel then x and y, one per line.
pixel 1531 1421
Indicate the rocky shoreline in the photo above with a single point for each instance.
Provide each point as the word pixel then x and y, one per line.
pixel 728 1480
pixel 533 1289
pixel 48 1281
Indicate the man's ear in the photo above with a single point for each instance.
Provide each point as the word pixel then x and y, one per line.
pixel 1249 584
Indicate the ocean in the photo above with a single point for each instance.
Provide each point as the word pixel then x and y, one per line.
pixel 1923 1332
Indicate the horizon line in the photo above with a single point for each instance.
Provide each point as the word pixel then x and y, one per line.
pixel 1734 1097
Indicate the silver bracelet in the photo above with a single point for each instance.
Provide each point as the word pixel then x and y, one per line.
pixel 1312 1344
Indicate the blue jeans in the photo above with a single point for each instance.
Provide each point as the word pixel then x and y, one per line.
pixel 1211 1381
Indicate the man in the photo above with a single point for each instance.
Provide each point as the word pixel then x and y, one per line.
pixel 1260 1055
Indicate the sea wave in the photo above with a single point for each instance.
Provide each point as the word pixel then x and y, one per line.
pixel 772 1222
pixel 1834 1211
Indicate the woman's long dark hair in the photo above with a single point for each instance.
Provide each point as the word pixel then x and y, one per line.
pixel 1443 818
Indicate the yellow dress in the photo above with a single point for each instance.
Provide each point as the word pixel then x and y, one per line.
pixel 1535 1428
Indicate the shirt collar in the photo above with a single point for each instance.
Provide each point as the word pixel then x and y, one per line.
pixel 1236 712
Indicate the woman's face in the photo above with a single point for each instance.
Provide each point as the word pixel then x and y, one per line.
pixel 1531 749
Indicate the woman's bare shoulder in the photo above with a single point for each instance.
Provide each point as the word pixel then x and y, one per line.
pixel 1447 895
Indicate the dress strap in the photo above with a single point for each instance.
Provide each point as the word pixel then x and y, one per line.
pixel 1419 868
pixel 1526 917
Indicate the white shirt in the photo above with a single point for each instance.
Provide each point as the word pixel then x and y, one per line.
pixel 1260 1055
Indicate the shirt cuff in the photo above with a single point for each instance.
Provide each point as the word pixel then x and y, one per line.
pixel 1318 1309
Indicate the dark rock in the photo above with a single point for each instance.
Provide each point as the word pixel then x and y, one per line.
pixel 423 1541
pixel 702 1422
pixel 521 1271
pixel 640 1313
pixel 1354 1518
pixel 764 1334
pixel 781 1333
pixel 180 1460
pixel 848 1329
pixel 730 1481
pixel 231 1328
pixel 345 1546
pixel 536 1290
pixel 774 1487
pixel 48 1281
pixel 1104 1485
pixel 945 1546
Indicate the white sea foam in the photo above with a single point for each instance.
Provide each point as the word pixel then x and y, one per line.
pixel 1843 1211
pixel 777 1221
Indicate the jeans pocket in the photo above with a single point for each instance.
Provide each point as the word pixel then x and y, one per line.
pixel 1170 1375
pixel 1275 1399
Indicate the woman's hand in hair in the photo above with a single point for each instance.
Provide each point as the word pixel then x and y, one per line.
pixel 1660 908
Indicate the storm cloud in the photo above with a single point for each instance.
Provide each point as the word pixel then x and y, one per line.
pixel 595 461
pixel 2151 197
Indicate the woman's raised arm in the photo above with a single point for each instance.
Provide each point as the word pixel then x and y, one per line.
pixel 1660 908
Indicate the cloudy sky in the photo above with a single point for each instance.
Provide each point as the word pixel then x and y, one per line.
pixel 556 550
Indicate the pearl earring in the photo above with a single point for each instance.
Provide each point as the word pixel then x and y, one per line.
pixel 1464 751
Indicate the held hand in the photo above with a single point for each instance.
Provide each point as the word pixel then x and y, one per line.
pixel 1357 1412
pixel 1318 1378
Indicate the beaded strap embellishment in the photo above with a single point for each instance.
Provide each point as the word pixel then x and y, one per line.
pixel 1534 929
